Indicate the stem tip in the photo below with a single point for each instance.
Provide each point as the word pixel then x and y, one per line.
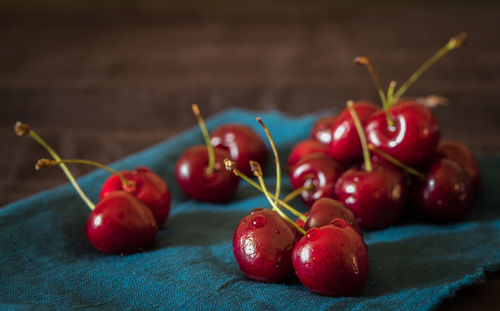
pixel 21 128
pixel 44 163
pixel 458 40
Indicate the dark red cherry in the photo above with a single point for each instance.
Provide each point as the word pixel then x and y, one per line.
pixel 198 183
pixel 242 143
pixel 458 152
pixel 332 260
pixel 319 170
pixel 446 194
pixel 322 129
pixel 262 246
pixel 121 224
pixel 149 188
pixel 414 136
pixel 324 210
pixel 304 148
pixel 376 198
pixel 345 146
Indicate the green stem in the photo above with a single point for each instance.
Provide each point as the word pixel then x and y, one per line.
pixel 230 166
pixel 275 207
pixel 206 136
pixel 276 159
pixel 127 184
pixel 390 93
pixel 64 168
pixel 396 162
pixel 455 42
pixel 365 61
pixel 361 134
pixel 297 192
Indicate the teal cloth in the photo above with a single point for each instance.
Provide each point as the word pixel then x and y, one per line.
pixel 46 261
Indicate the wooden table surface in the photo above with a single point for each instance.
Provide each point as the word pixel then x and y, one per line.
pixel 101 81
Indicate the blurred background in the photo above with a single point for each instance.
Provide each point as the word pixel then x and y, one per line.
pixel 103 79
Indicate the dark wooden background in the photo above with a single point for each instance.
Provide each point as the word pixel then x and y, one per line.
pixel 103 80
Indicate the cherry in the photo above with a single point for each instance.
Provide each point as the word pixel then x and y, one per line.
pixel 406 130
pixel 197 182
pixel 332 260
pixel 262 246
pixel 145 185
pixel 263 240
pixel 322 129
pixel 121 224
pixel 376 197
pixel 319 170
pixel 458 152
pixel 446 193
pixel 201 173
pixel 149 188
pixel 412 139
pixel 242 143
pixel 304 148
pixel 344 146
pixel 324 210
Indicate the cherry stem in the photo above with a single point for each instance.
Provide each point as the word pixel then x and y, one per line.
pixel 455 42
pixel 230 165
pixel 276 160
pixel 396 162
pixel 365 61
pixel 206 136
pixel 297 192
pixel 361 134
pixel 390 93
pixel 128 185
pixel 257 170
pixel 23 129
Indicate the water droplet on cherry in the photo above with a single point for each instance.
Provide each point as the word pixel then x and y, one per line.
pixel 313 234
pixel 259 221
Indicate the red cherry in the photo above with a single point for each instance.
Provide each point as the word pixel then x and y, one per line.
pixel 262 246
pixel 320 170
pixel 446 193
pixel 345 146
pixel 242 143
pixel 149 188
pixel 304 148
pixel 376 198
pixel 332 260
pixel 322 129
pixel 121 224
pixel 458 152
pixel 412 139
pixel 324 210
pixel 200 184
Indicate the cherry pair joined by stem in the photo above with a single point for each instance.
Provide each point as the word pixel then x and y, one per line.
pixel 405 129
pixel 120 223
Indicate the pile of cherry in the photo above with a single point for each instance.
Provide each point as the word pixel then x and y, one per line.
pixel 359 170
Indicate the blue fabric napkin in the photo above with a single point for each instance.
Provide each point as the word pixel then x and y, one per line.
pixel 46 261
